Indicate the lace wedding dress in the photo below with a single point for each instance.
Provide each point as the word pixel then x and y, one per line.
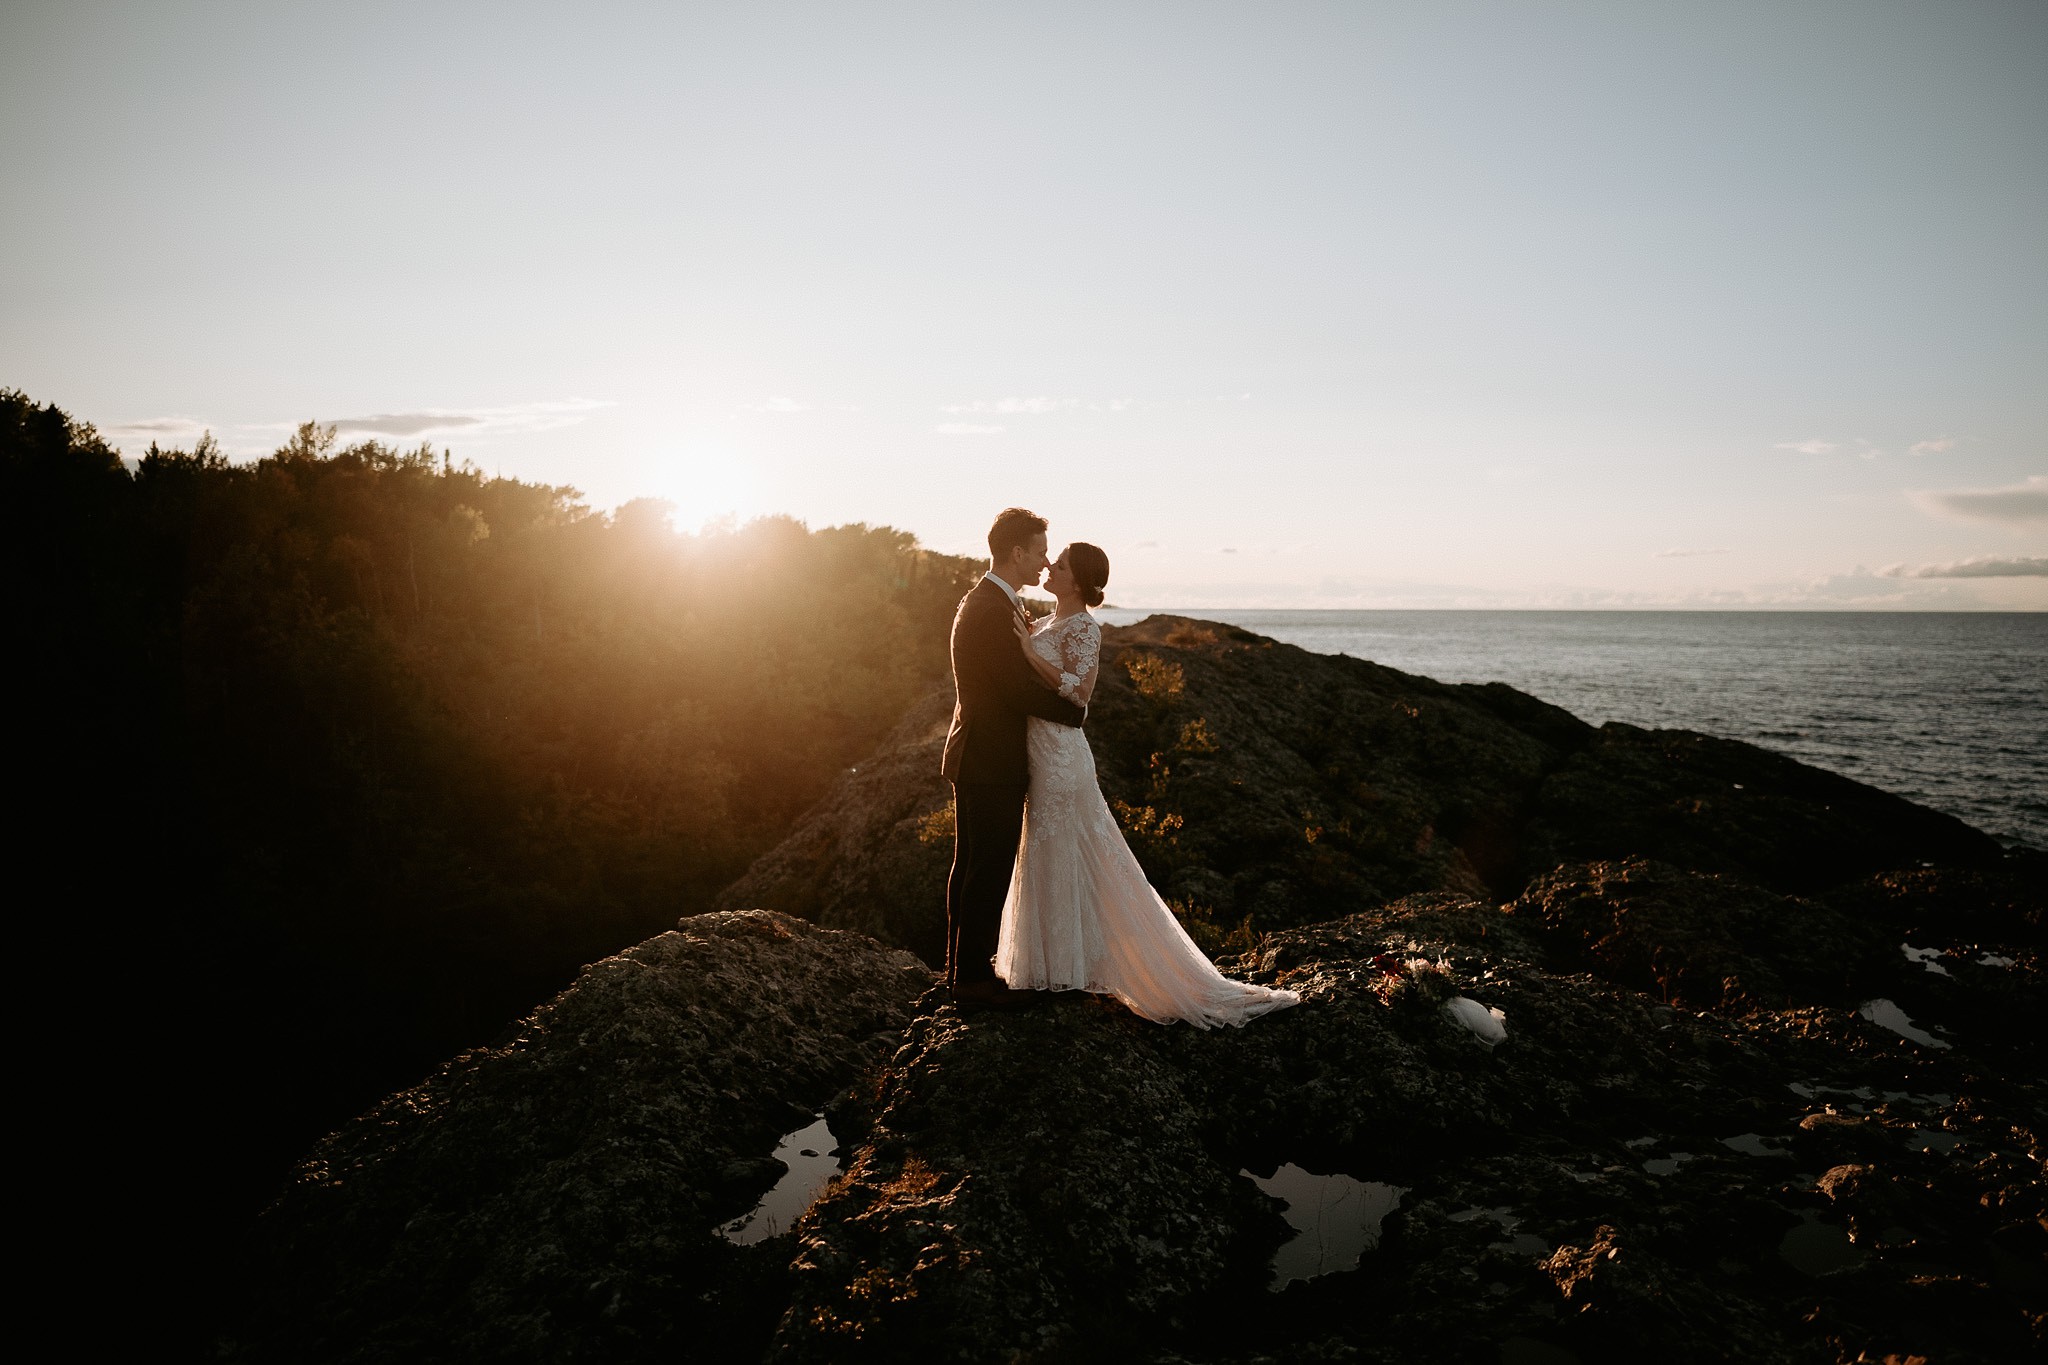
pixel 1080 914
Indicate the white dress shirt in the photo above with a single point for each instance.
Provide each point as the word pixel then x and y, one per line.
pixel 1008 591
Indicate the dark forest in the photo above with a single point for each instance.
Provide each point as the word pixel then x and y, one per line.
pixel 337 762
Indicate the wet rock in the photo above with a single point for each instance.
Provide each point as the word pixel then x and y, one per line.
pixel 554 1199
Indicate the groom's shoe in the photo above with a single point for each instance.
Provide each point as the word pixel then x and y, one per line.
pixel 975 996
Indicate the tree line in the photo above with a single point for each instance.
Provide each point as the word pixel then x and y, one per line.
pixel 346 757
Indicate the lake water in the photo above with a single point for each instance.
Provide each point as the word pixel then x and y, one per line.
pixel 1947 709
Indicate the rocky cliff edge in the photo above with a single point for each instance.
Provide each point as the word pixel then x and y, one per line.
pixel 1265 787
pixel 1769 1087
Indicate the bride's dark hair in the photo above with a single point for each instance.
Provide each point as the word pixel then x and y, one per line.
pixel 1090 568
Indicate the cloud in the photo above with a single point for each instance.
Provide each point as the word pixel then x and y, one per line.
pixel 162 425
pixel 521 417
pixel 408 423
pixel 236 440
pixel 256 439
pixel 966 429
pixel 776 403
pixel 1821 445
pixel 1983 566
pixel 1688 554
pixel 1937 445
pixel 2019 502
pixel 1013 406
pixel 1025 407
pixel 152 428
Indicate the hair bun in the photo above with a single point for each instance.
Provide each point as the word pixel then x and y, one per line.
pixel 1090 568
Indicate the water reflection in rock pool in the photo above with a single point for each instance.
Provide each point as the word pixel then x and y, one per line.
pixel 1665 1165
pixel 1520 1243
pixel 811 1154
pixel 1335 1218
pixel 1817 1248
pixel 1885 1014
pixel 1932 1140
pixel 1925 957
pixel 1755 1144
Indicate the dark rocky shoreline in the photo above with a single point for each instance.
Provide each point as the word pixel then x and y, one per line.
pixel 1261 782
pixel 1717 1154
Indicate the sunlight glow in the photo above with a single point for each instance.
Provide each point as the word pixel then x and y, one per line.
pixel 707 480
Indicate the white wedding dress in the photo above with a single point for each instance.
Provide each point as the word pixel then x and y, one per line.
pixel 1080 914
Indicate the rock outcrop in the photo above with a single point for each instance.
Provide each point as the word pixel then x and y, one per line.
pixel 555 1198
pixel 885 828
pixel 1705 942
pixel 1769 1090
pixel 1264 787
pixel 1652 1165
pixel 1774 1177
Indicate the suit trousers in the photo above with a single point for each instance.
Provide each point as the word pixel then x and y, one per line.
pixel 988 821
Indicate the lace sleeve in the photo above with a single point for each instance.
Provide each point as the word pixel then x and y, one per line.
pixel 1080 651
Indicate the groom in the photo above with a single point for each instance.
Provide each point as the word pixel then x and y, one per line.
pixel 996 689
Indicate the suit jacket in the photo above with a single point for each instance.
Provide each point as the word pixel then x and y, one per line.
pixel 995 688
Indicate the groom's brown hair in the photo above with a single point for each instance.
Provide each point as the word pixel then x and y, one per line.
pixel 1014 526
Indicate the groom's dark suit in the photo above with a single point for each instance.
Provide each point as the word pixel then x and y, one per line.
pixel 996 689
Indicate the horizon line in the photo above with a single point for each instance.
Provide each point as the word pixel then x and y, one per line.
pixel 1617 611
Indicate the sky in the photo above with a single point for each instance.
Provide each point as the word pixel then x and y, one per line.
pixel 1282 304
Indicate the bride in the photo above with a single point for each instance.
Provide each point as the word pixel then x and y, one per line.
pixel 1080 914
